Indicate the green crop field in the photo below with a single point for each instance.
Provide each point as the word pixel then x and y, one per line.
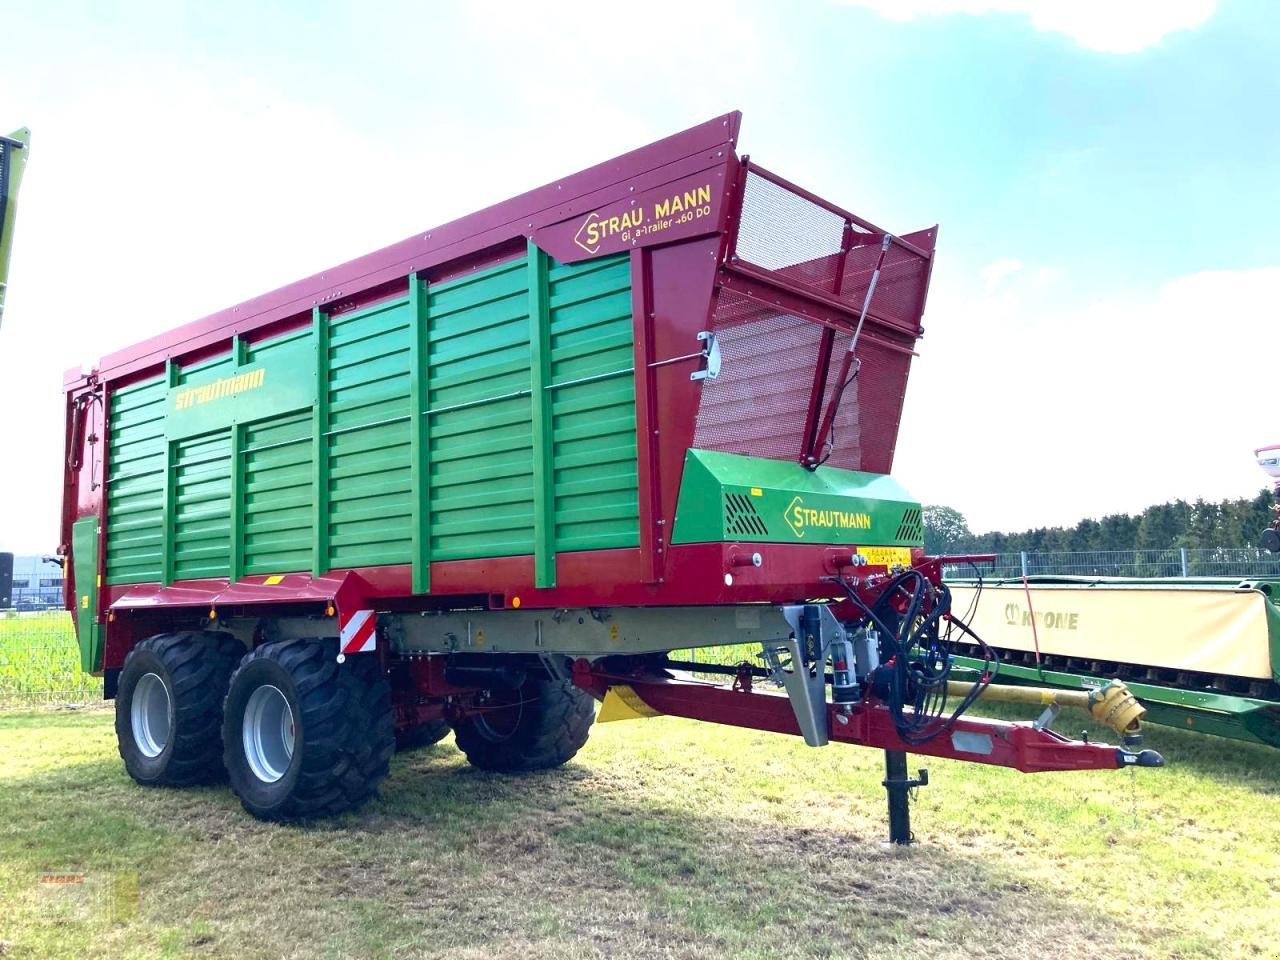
pixel 663 838
pixel 40 663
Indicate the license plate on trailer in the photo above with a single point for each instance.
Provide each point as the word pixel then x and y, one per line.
pixel 885 556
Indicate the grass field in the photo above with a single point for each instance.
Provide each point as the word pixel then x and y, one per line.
pixel 40 663
pixel 663 838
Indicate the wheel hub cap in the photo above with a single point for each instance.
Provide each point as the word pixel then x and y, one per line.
pixel 151 715
pixel 268 733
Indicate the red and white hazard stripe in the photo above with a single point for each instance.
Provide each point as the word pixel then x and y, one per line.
pixel 359 632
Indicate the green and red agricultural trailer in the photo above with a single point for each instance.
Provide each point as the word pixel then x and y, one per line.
pixel 496 472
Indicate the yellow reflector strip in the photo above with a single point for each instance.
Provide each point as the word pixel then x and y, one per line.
pixel 272 581
pixel 623 703
pixel 757 492
pixel 885 556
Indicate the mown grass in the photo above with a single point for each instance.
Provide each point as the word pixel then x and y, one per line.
pixel 40 662
pixel 663 838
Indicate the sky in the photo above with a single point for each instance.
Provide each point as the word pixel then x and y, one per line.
pixel 1100 333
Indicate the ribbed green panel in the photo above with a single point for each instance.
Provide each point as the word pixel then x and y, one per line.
pixel 202 506
pixel 480 428
pixel 135 484
pixel 370 502
pixel 477 441
pixel 276 484
pixel 596 505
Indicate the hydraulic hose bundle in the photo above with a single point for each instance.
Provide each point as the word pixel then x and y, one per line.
pixel 913 620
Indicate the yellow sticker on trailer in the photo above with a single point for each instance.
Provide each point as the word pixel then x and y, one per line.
pixel 885 556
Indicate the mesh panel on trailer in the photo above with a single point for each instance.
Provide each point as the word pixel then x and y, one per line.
pixel 783 231
pixel 759 404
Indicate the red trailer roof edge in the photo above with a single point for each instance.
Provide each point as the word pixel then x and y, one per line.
pixel 719 131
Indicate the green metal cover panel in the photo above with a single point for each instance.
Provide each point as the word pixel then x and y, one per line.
pixel 366 443
pixel 725 496
pixel 200 532
pixel 136 480
pixel 492 415
pixel 84 553
pixel 593 408
pixel 276 503
pixel 479 415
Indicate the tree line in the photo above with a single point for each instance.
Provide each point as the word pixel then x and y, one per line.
pixel 1164 526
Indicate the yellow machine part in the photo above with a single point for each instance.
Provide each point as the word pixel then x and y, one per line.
pixel 623 703
pixel 1218 631
pixel 1111 705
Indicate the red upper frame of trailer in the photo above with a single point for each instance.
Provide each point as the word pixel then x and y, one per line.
pixel 549 214
pixel 697 149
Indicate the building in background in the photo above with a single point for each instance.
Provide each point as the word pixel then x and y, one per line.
pixel 35 584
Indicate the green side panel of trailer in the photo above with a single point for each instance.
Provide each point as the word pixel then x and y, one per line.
pixel 84 553
pixel 137 475
pixel 593 410
pixel 479 415
pixel 366 440
pixel 200 492
pixel 491 415
pixel 278 520
pixel 727 496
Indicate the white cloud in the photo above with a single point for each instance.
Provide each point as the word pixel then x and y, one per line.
pixel 996 272
pixel 1112 405
pixel 1109 26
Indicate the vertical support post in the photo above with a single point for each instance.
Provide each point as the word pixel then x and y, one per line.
pixel 320 445
pixel 898 786
pixel 544 557
pixel 648 476
pixel 419 437
pixel 170 493
pixel 1023 555
pixel 104 468
pixel 235 564
pixel 1182 552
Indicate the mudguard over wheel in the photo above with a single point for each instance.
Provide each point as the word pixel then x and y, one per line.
pixel 169 707
pixel 540 725
pixel 305 736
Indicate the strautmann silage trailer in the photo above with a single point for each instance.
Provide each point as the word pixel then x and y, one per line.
pixel 496 472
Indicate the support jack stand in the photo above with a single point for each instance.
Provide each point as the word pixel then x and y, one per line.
pixel 898 786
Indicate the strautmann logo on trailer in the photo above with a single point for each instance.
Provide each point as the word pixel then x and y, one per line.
pixel 226 387
pixel 644 219
pixel 801 518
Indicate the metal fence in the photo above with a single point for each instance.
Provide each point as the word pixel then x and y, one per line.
pixel 40 662
pixel 1240 562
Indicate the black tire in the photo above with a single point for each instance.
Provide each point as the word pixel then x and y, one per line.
pixel 421 735
pixel 342 732
pixel 545 723
pixel 192 670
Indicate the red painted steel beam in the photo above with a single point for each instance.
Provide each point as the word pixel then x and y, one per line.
pixel 681 154
pixel 868 724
